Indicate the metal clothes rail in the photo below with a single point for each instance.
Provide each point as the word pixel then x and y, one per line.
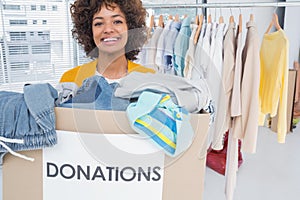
pixel 225 5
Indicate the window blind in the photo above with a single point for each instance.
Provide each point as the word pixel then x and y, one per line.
pixel 36 44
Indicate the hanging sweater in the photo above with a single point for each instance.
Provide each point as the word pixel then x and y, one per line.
pixel 274 79
pixel 249 90
pixel 227 79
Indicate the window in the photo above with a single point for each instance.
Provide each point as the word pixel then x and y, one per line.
pixel 19 71
pixel 43 7
pixel 41 49
pixel 17 66
pixel 44 35
pixel 11 7
pixel 18 49
pixel 18 22
pixel 36 53
pixel 33 7
pixel 54 8
pixel 17 36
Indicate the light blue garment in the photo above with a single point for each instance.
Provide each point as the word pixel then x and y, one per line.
pixel 28 116
pixel 181 45
pixel 96 94
pixel 167 124
pixel 168 58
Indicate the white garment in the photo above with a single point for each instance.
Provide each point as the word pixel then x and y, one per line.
pixel 161 45
pixel 66 91
pixel 212 39
pixel 148 54
pixel 109 81
pixel 231 166
pixel 218 49
pixel 236 107
pixel 198 70
pixel 190 54
pixel 201 36
pixel 236 112
pixel 228 75
pixel 217 129
pixel 205 57
pixel 192 95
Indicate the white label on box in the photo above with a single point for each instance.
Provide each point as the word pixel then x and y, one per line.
pixel 102 166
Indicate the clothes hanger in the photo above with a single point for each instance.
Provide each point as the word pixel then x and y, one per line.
pixel 215 15
pixel 197 20
pixel 209 18
pixel 274 22
pixel 161 21
pixel 251 15
pixel 197 34
pixel 240 21
pixel 231 18
pixel 151 25
pixel 221 19
pixel 177 18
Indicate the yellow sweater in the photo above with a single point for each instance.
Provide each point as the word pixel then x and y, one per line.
pixel 79 73
pixel 274 79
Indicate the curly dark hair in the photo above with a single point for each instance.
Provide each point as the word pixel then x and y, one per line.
pixel 82 12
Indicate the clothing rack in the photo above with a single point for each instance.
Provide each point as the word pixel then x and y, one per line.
pixel 226 5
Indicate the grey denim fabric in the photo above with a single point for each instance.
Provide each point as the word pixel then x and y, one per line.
pixel 28 116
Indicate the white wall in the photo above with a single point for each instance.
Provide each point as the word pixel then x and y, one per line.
pixel 292 29
pixel 262 15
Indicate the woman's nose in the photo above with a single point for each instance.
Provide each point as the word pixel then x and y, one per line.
pixel 108 28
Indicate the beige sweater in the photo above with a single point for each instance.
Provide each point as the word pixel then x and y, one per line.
pixel 247 130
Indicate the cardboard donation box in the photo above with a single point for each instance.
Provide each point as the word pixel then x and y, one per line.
pixel 99 156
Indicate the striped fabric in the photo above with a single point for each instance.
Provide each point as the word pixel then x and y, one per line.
pixel 161 122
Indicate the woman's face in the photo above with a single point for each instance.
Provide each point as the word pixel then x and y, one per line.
pixel 110 30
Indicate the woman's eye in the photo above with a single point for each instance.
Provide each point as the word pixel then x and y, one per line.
pixel 118 22
pixel 98 24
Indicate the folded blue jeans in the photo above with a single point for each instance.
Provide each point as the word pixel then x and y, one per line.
pixel 28 116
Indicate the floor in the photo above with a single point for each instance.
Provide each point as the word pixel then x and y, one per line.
pixel 271 173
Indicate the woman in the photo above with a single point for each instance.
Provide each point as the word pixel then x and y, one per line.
pixel 112 32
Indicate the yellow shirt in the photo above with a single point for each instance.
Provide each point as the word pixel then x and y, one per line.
pixel 79 73
pixel 273 79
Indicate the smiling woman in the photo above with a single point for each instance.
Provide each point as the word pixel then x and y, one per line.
pixel 111 32
pixel 109 28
